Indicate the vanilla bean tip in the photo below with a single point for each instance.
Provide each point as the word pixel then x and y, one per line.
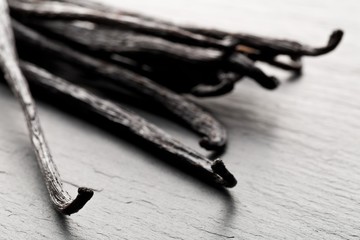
pixel 227 178
pixel 270 83
pixel 334 40
pixel 212 144
pixel 84 195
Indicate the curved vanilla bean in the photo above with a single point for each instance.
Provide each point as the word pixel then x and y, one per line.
pixel 273 46
pixel 290 48
pixel 214 134
pixel 214 170
pixel 62 10
pixel 9 65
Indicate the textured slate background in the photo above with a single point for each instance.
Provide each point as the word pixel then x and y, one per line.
pixel 295 151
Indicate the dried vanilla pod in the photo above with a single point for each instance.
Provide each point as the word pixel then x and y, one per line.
pixel 10 68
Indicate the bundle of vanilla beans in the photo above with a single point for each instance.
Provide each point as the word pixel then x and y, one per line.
pixel 128 53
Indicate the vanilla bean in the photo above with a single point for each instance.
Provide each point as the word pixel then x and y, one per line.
pixel 214 134
pixel 66 11
pixel 214 170
pixel 267 49
pixel 9 65
pixel 275 46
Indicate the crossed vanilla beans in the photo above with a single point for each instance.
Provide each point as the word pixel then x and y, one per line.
pixel 127 52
